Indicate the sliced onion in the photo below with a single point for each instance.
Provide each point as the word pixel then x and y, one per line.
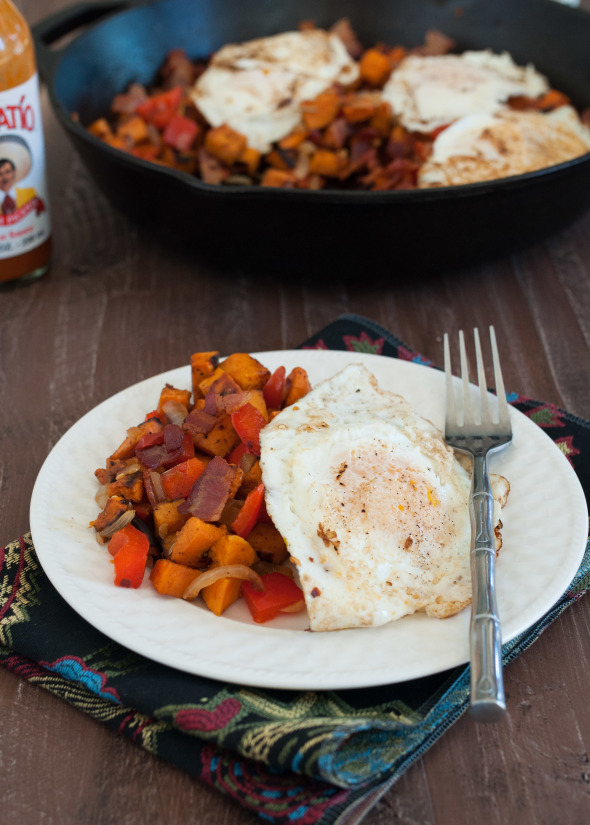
pixel 159 493
pixel 296 607
pixel 121 521
pixel 226 571
pixel 175 412
pixel 102 496
pixel 128 470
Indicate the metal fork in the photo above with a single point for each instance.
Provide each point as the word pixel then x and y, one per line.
pixel 479 435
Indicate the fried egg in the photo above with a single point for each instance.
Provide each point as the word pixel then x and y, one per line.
pixel 427 92
pixel 372 504
pixel 257 87
pixel 486 147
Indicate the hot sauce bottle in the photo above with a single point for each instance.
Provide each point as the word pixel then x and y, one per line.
pixel 25 230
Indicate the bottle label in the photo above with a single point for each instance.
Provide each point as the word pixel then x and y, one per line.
pixel 24 209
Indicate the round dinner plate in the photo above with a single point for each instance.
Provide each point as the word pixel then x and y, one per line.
pixel 544 537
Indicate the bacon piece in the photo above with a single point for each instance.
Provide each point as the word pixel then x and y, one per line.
pixel 211 491
pixel 225 385
pixel 212 171
pixel 199 422
pixel 126 103
pixel 346 33
pixel 178 70
pixel 435 43
pixel 166 454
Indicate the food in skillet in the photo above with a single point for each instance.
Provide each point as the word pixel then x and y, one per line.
pixel 370 502
pixel 314 109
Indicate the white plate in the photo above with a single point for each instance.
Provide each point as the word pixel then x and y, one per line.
pixel 545 529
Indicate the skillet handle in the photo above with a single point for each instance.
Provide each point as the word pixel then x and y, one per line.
pixel 65 22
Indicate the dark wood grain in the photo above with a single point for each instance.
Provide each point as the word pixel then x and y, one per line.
pixel 117 307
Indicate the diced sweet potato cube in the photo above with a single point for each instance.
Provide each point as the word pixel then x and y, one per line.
pixel 374 67
pixel 246 371
pixel 326 163
pixel 230 549
pixel 251 479
pixel 359 109
pixel 250 158
pixel 171 579
pixel 218 441
pixel 170 393
pixel 100 128
pixel 278 178
pixel 167 519
pixel 135 129
pixel 114 507
pixel 194 539
pixel 297 385
pixel 128 486
pixel 225 144
pixel 203 364
pixel 294 138
pixel 206 384
pixel 268 543
pixel 221 594
pixel 127 448
pixel 322 110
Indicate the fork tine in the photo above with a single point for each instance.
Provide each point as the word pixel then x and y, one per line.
pixel 504 416
pixel 467 414
pixel 451 415
pixel 481 380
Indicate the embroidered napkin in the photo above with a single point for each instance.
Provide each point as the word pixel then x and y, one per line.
pixel 314 757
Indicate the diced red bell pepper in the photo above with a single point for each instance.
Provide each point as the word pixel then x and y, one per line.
pixel 130 548
pixel 247 421
pixel 237 454
pixel 178 481
pixel 180 132
pixel 159 109
pixel 150 440
pixel 249 512
pixel 279 592
pixel 153 414
pixel 274 389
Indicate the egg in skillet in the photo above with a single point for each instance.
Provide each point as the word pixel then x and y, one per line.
pixel 257 87
pixel 372 504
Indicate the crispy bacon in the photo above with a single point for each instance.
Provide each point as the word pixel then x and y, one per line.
pixel 225 385
pixel 178 70
pixel 199 422
pixel 211 491
pixel 165 454
pixel 127 103
pixel 347 34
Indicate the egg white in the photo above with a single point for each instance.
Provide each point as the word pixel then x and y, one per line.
pixel 257 87
pixel 371 502
pixel 427 92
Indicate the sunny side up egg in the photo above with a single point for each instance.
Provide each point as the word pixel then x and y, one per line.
pixel 371 502
pixel 257 87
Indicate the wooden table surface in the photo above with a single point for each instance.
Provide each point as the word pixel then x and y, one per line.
pixel 117 307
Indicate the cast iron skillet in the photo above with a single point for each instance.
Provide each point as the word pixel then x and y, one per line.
pixel 323 233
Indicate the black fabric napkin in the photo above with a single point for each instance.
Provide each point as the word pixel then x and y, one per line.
pixel 314 757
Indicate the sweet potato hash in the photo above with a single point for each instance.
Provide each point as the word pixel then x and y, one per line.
pixel 347 137
pixel 183 492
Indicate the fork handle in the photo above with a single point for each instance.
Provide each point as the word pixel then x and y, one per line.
pixel 488 703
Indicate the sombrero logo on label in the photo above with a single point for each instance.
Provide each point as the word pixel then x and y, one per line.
pixel 24 216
